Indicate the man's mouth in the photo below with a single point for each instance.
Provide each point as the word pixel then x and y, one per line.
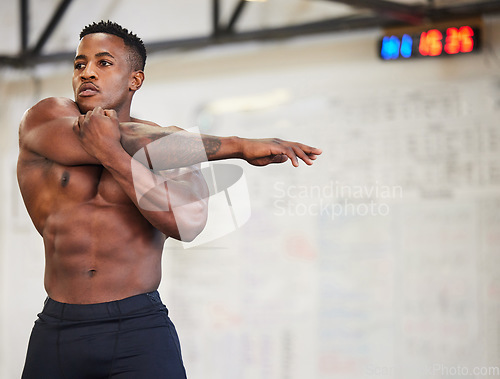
pixel 87 89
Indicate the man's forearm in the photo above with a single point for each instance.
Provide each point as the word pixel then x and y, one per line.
pixel 173 147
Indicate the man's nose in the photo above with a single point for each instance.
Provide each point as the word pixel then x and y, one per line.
pixel 88 72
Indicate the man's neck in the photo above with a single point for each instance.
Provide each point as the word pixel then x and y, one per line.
pixel 123 113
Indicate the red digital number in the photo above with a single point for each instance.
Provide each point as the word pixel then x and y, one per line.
pixel 452 41
pixel 459 40
pixel 431 43
pixel 466 34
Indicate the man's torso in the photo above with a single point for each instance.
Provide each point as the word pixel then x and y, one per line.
pixel 98 247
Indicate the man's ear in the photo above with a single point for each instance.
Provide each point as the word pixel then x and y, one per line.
pixel 136 80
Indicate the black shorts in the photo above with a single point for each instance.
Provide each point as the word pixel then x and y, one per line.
pixel 131 338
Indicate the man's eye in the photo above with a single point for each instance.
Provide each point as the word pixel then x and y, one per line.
pixel 105 63
pixel 78 66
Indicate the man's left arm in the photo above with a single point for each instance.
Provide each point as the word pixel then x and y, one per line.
pixel 172 147
pixel 158 149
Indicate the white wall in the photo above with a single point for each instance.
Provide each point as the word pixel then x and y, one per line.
pixel 295 292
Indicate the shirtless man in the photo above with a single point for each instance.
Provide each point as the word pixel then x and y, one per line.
pixel 103 316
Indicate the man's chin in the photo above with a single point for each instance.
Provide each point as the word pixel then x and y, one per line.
pixel 86 104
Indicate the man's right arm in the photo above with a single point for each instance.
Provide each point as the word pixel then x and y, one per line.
pixel 46 129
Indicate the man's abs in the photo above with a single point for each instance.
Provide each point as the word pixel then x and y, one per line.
pixel 98 253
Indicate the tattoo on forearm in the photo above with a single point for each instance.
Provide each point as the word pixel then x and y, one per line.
pixel 190 149
pixel 170 149
pixel 212 146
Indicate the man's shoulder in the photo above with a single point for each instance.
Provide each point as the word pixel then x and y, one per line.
pixel 55 101
pixel 48 109
pixel 145 122
pixel 40 125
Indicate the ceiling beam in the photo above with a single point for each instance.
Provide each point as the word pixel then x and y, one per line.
pixel 58 14
pixel 24 17
pixel 336 24
pixel 332 25
pixel 215 17
pixel 466 10
pixel 236 15
pixel 410 14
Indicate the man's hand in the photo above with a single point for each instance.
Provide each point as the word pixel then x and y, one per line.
pixel 261 152
pixel 98 132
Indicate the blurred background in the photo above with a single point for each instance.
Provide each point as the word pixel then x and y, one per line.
pixel 380 260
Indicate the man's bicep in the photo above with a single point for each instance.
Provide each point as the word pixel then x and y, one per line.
pixel 56 141
pixel 47 130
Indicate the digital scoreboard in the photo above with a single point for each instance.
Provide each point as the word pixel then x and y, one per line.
pixel 431 42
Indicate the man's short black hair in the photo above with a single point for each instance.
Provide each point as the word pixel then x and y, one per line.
pixel 137 55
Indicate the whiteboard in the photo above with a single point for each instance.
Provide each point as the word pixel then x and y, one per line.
pixel 379 260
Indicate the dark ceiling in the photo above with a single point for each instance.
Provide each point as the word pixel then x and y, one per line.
pixel 224 20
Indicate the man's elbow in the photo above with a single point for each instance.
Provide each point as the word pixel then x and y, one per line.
pixel 190 222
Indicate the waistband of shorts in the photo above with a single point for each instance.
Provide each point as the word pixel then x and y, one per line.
pixel 112 309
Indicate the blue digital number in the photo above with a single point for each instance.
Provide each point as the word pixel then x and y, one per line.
pixel 406 46
pixel 392 46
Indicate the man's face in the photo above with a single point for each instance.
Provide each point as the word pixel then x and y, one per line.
pixel 102 73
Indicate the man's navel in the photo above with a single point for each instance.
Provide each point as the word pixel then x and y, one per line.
pixel 91 273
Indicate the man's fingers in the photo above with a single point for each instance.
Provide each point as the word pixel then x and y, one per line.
pixel 302 155
pixel 307 153
pixel 309 150
pixel 76 125
pixel 275 150
pixel 87 117
pixel 291 154
pixel 111 113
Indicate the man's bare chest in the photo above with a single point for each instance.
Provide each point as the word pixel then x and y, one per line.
pixel 85 183
pixel 48 185
pixel 50 189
